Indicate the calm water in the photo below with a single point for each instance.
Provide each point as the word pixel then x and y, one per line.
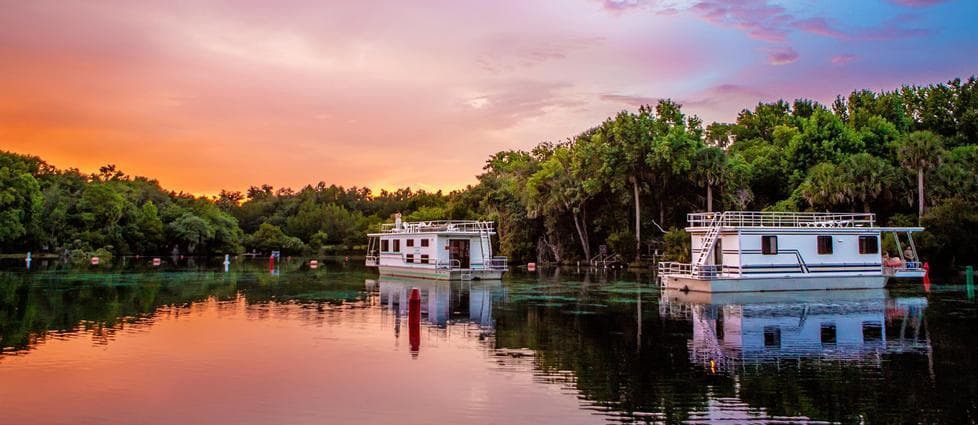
pixel 194 344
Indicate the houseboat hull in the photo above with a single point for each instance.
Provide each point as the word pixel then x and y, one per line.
pixel 773 283
pixel 440 274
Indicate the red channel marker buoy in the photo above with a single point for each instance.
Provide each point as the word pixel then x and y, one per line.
pixel 926 277
pixel 414 319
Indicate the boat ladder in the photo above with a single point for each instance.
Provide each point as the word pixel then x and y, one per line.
pixel 709 241
pixel 485 242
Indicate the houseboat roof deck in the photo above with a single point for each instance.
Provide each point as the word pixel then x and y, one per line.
pixel 454 226
pixel 779 219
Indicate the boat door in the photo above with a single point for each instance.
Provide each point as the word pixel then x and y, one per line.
pixel 458 249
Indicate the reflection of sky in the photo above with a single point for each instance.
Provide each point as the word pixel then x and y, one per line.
pixel 241 363
pixel 293 95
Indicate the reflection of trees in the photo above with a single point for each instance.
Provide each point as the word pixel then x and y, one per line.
pixel 611 368
pixel 652 378
pixel 35 304
pixel 952 328
pixel 843 391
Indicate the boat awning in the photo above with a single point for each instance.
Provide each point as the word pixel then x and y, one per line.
pixel 901 229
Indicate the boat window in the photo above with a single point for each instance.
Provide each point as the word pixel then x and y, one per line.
pixel 869 245
pixel 410 242
pixel 872 331
pixel 385 245
pixel 772 336
pixel 424 242
pixel 424 257
pixel 409 258
pixel 397 245
pixel 824 244
pixel 769 245
pixel 828 333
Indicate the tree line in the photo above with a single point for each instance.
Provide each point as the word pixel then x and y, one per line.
pixel 910 155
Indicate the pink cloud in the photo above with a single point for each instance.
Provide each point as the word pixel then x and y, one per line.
pixel 781 55
pixel 635 101
pixel 709 98
pixel 818 26
pixel 842 59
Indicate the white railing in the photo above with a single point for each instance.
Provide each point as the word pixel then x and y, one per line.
pixel 781 219
pixel 497 263
pixel 704 271
pixel 449 264
pixel 474 226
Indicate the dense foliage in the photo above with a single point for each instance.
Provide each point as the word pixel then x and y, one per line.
pixel 909 155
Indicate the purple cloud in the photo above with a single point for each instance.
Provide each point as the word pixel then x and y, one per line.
pixel 891 29
pixel 759 19
pixel 620 6
pixel 781 55
pixel 916 3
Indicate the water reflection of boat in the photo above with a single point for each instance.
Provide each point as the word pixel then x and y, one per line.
pixel 832 325
pixel 442 302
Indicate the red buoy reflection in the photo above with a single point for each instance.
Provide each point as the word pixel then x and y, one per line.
pixel 414 320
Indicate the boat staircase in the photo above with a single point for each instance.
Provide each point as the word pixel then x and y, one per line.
pixel 485 241
pixel 709 242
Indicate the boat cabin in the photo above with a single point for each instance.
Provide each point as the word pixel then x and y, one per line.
pixel 447 249
pixel 766 251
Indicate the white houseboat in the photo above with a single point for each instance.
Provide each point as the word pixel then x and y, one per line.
pixel 738 251
pixel 446 250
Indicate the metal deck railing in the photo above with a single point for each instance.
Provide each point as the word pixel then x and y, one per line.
pixel 473 226
pixel 703 271
pixel 780 219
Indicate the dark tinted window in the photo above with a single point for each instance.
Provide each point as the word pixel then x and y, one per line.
pixel 424 242
pixel 828 333
pixel 772 336
pixel 424 257
pixel 769 245
pixel 397 245
pixel 409 258
pixel 385 245
pixel 872 331
pixel 410 242
pixel 869 245
pixel 824 244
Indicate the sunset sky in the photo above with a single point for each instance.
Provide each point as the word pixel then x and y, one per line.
pixel 211 95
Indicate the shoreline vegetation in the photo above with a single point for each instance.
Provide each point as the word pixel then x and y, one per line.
pixel 909 155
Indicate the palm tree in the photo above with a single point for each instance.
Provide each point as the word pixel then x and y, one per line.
pixel 825 187
pixel 710 168
pixel 865 177
pixel 920 151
